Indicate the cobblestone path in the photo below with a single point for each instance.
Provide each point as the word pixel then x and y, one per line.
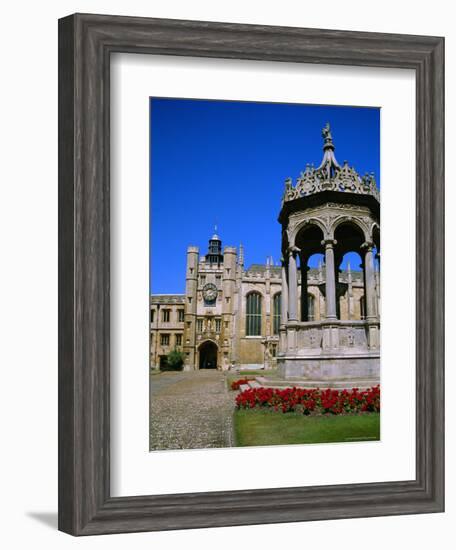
pixel 190 410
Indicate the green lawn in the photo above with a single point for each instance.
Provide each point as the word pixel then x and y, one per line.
pixel 264 427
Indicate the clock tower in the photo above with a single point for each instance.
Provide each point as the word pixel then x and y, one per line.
pixel 209 302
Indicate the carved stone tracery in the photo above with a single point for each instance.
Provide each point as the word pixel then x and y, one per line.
pixel 344 179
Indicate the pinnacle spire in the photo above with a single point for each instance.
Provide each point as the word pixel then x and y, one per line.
pixel 329 176
pixel 241 254
pixel 326 134
pixel 329 162
pixel 215 237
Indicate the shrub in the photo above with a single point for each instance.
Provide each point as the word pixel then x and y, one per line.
pixel 175 359
pixel 311 401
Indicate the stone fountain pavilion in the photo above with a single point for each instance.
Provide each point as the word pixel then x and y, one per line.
pixel 329 210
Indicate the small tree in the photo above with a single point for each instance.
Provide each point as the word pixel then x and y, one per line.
pixel 175 359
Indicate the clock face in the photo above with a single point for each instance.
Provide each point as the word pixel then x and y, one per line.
pixel 210 292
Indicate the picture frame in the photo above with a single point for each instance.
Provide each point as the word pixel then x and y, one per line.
pixel 85 44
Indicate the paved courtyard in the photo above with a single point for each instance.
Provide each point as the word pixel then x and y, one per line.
pixel 190 410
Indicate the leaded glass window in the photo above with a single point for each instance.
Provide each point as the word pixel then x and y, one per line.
pixel 276 316
pixel 253 317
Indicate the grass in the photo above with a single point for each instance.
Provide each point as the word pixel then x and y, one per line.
pixel 265 427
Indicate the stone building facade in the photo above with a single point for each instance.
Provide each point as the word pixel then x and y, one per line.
pixel 313 322
pixel 167 314
pixel 230 315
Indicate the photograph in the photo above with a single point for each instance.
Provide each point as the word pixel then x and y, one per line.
pixel 264 274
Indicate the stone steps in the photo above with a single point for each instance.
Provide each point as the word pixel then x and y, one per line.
pixel 323 384
pixel 262 382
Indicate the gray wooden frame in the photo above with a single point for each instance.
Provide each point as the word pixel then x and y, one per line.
pixel 85 45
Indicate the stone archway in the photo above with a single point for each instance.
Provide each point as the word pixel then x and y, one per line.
pixel 309 241
pixel 208 352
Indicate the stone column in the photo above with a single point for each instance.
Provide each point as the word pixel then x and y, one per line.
pixel 377 280
pixel 283 310
pixel 292 285
pixel 369 271
pixel 330 279
pixel 337 262
pixel 349 293
pixel 304 302
pixel 284 295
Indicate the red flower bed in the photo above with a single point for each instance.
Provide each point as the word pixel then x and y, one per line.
pixel 235 385
pixel 311 401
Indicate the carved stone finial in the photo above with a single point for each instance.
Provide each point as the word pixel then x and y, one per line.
pixel 326 132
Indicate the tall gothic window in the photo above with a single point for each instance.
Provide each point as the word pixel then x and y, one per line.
pixel 253 317
pixel 311 307
pixel 276 310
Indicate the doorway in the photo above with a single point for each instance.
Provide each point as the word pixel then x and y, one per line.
pixel 208 355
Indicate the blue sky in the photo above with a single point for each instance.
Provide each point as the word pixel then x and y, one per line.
pixel 225 162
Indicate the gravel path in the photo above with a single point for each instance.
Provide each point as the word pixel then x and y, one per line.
pixel 190 410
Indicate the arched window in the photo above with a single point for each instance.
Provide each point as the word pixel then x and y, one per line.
pixel 311 307
pixel 253 317
pixel 362 307
pixel 276 310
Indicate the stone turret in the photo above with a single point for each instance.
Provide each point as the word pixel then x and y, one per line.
pixel 229 289
pixel 191 288
pixel 214 254
pixel 241 255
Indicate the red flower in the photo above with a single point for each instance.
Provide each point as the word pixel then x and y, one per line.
pixel 311 401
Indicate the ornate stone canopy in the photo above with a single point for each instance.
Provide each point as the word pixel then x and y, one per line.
pixel 331 211
pixel 330 176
